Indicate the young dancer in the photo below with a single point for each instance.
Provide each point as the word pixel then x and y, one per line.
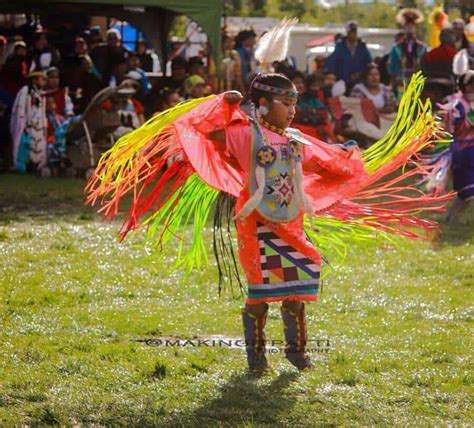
pixel 282 182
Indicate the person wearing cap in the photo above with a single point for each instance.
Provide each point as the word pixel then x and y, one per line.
pixel 15 71
pixel 64 105
pixel 194 86
pixel 28 126
pixel 405 56
pixel 350 57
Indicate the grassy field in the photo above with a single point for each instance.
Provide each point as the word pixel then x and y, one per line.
pixel 76 307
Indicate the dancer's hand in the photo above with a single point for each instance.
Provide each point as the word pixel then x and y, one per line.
pixel 233 97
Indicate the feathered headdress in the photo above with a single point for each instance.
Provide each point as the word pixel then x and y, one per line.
pixel 273 45
pixel 409 15
pixel 461 66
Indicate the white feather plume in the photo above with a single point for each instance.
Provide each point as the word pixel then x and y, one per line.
pixel 273 45
pixel 461 63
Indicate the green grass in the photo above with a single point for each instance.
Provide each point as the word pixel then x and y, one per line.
pixel 75 303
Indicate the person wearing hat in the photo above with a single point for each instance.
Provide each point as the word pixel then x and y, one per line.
pixel 350 57
pixel 405 56
pixel 28 126
pixel 194 86
pixel 15 71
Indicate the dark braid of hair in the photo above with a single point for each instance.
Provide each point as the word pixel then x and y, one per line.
pixel 272 79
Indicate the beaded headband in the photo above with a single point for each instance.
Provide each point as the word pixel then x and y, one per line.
pixel 275 90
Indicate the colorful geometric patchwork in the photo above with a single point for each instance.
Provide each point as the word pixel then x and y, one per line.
pixel 285 271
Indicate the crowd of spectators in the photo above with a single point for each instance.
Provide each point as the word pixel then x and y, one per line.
pixel 349 94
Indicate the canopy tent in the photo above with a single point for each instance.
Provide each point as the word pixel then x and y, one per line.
pixel 153 17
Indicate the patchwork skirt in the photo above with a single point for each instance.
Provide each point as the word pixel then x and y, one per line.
pixel 280 263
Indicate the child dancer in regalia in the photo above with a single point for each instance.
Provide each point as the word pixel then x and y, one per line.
pixel 459 120
pixel 276 184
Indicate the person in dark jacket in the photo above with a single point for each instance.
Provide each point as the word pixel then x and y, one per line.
pixel 350 57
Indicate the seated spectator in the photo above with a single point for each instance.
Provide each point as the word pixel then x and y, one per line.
pixel 15 71
pixel 179 73
pixel 329 81
pixel 194 87
pixel 381 95
pixel 28 126
pixel 315 86
pixel 42 56
pixel 131 110
pixel 312 116
pixel 167 98
pixel 61 96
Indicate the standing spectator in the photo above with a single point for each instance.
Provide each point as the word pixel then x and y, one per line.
pixel 382 96
pixel 439 61
pixel 461 41
pixel 231 69
pixel 385 77
pixel 245 43
pixel 405 56
pixel 62 100
pixel 3 51
pixel 95 38
pixel 15 71
pixel 85 85
pixel 350 57
pixel 109 56
pixel 148 59
pixel 28 126
pixel 42 56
